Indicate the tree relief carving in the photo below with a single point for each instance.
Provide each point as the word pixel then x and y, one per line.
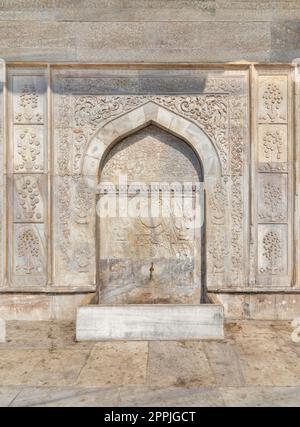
pixel 272 252
pixel 29 199
pixel 273 143
pixel 29 148
pixel 274 208
pixel 272 99
pixel 28 111
pixel 273 148
pixel 28 252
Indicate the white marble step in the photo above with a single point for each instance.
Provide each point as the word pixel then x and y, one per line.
pixel 149 322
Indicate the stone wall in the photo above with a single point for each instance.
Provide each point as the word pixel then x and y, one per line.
pixel 128 31
pixel 150 30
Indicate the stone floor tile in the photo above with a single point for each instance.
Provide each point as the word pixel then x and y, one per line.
pixel 42 334
pixel 60 397
pixel 40 367
pixel 7 395
pixel 261 396
pixel 170 396
pixel 179 363
pixel 115 363
pixel 224 362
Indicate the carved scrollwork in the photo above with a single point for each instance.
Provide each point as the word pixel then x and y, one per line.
pixel 218 204
pixel 210 112
pixel 237 224
pixel 218 250
pixel 272 252
pixel 223 85
pixel 83 203
pixel 91 110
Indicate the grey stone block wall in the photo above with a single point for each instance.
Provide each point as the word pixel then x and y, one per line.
pixel 150 30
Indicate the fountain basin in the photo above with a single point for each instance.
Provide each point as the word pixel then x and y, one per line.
pixel 149 322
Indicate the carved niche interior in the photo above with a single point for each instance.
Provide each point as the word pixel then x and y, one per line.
pixel 70 128
pixel 150 259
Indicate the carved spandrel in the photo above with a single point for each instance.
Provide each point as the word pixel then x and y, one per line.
pixel 29 151
pixel 28 99
pixel 272 99
pixel 272 198
pixel 272 249
pixel 29 197
pixel 272 148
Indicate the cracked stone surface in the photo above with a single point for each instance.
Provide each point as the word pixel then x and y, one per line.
pixel 257 364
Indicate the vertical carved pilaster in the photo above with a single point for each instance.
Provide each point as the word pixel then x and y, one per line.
pixel 27 178
pixel 273 179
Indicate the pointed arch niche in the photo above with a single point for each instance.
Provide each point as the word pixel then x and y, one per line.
pixel 94 158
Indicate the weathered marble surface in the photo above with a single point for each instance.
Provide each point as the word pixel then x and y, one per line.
pixel 48 238
pixel 2 330
pixel 150 30
pixel 101 322
pixel 256 365
pixel 169 245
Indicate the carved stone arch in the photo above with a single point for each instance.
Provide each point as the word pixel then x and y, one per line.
pixel 205 152
pixel 150 113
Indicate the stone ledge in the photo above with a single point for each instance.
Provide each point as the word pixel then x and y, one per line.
pixel 2 330
pixel 149 322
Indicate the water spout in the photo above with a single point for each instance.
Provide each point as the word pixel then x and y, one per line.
pixel 151 271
